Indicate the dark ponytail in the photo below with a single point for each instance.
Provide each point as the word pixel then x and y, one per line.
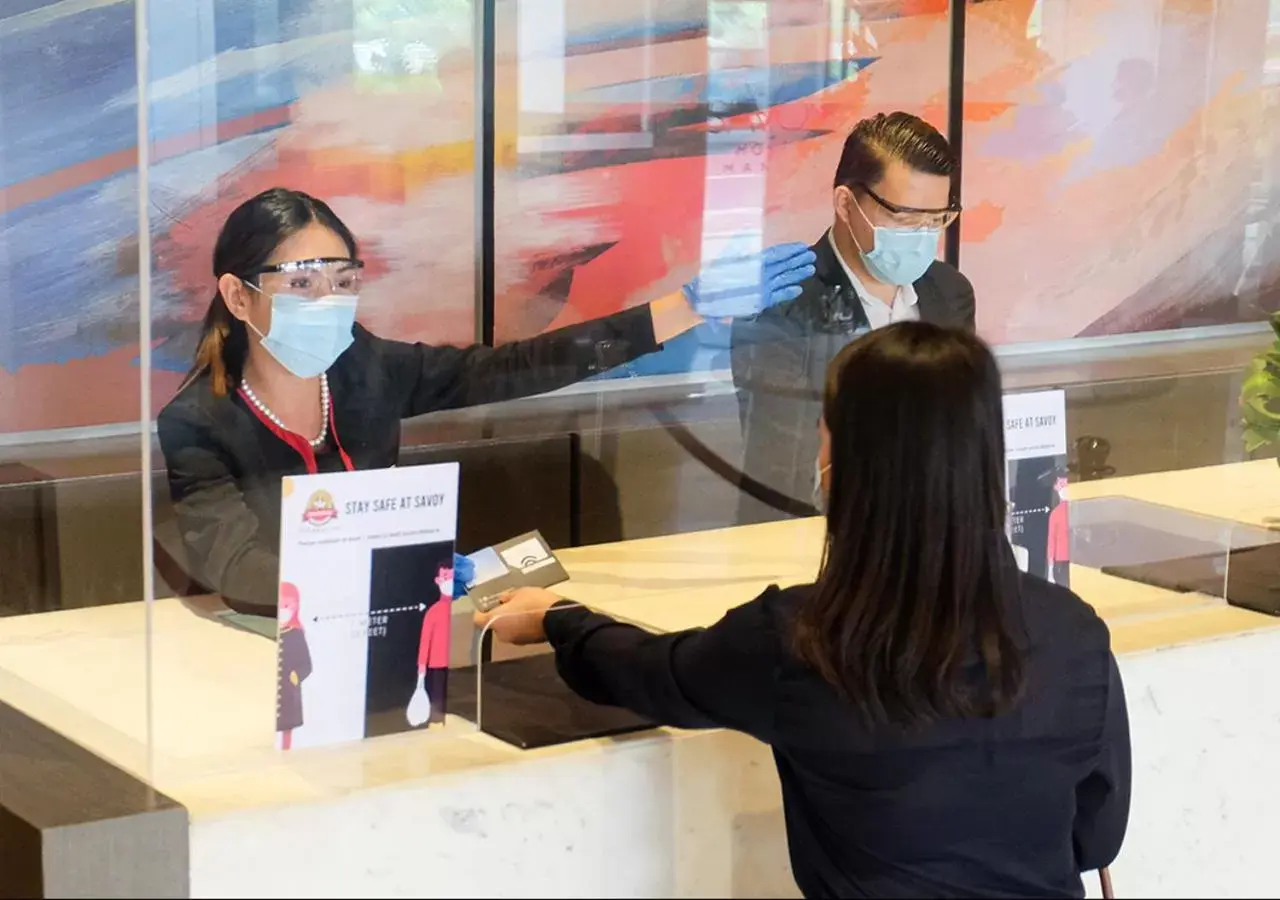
pixel 224 345
pixel 248 239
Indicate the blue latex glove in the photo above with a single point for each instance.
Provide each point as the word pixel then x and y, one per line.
pixel 745 284
pixel 464 571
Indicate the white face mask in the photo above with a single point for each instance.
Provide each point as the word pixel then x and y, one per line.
pixel 819 495
pixel 446 587
pixel 284 615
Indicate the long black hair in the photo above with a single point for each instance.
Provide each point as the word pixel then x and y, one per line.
pixel 251 234
pixel 916 583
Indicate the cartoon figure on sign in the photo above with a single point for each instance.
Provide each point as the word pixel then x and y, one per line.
pixel 321 510
pixel 293 662
pixel 1058 549
pixel 427 703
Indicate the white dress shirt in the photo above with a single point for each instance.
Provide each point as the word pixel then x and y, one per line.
pixel 904 308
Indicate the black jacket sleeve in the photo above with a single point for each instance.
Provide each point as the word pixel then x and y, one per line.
pixel 221 535
pixel 720 677
pixel 1102 798
pixel 441 377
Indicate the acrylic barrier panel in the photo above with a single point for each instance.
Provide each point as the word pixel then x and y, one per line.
pixel 640 143
pixel 1169 508
pixel 369 107
pixel 68 217
pixel 1129 427
pixel 658 585
pixel 366 105
pixel 73 643
pixel 1121 165
pixel 236 694
pixel 1137 560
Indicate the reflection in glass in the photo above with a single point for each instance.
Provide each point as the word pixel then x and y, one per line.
pixel 682 123
pixel 1120 167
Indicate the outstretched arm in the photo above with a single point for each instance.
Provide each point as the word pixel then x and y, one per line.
pixel 437 378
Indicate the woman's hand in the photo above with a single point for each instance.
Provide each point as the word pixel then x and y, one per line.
pixel 519 620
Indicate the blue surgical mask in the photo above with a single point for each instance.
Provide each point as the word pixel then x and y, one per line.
pixel 308 335
pixel 900 255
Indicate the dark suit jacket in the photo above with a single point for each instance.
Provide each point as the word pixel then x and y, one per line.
pixel 779 360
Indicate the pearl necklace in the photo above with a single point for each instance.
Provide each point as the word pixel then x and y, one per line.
pixel 319 441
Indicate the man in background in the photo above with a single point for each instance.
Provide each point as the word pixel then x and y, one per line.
pixel 892 200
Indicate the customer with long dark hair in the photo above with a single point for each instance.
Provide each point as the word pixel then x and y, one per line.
pixel 286 382
pixel 942 724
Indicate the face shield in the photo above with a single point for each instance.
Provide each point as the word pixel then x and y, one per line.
pixel 312 279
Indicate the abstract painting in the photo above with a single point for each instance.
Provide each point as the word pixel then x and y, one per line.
pixel 1121 161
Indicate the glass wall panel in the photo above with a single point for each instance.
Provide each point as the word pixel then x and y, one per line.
pixel 636 138
pixel 72 616
pixel 1121 176
pixel 1121 163
pixel 368 106
pixel 639 145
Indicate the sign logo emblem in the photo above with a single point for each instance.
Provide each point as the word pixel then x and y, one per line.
pixel 321 510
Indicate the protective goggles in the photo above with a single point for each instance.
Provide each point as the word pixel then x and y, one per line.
pixel 312 278
pixel 912 218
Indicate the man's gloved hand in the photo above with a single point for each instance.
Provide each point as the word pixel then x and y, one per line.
pixel 464 571
pixel 740 285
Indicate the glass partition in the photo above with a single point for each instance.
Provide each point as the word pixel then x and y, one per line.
pixel 368 107
pixel 1121 164
pixel 72 617
pixel 636 150
pixel 642 145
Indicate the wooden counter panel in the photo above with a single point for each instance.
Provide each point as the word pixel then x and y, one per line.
pixel 74 825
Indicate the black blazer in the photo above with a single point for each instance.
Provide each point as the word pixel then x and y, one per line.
pixel 1014 806
pixel 779 361
pixel 225 466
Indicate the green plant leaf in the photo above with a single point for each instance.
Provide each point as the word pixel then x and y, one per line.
pixel 1260 396
pixel 1264 409
pixel 1255 440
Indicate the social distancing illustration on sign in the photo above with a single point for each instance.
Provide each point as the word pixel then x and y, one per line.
pixel 1035 436
pixel 366 588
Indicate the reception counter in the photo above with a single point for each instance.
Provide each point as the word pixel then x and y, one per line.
pixel 660 813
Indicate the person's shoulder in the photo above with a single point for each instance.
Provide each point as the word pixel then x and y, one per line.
pixel 367 347
pixel 198 415
pixel 778 607
pixel 194 402
pixel 766 332
pixel 365 344
pixel 946 278
pixel 1057 613
pixel 762 627
pixel 372 365
pixel 946 296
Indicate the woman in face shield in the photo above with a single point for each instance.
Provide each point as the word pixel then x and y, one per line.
pixel 286 382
